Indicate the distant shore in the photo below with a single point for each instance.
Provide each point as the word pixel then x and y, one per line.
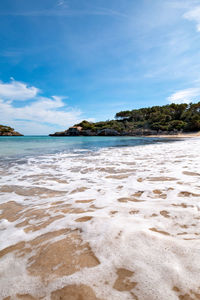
pixel 8 131
pixel 74 132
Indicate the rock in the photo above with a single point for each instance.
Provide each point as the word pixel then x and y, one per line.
pixel 8 131
pixel 78 131
pixel 88 132
pixel 60 133
pixel 72 131
pixel 108 132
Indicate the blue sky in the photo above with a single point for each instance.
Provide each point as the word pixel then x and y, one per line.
pixel 62 61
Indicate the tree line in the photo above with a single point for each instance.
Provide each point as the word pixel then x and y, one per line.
pixel 179 117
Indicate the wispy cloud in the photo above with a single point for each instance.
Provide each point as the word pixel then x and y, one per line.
pixel 16 90
pixel 185 96
pixel 194 15
pixel 46 112
pixel 64 12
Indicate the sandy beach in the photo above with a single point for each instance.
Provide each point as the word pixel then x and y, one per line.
pixel 99 150
pixel 119 223
pixel 180 135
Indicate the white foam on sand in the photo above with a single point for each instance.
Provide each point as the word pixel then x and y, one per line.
pixel 144 204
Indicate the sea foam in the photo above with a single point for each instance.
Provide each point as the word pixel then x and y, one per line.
pixel 118 223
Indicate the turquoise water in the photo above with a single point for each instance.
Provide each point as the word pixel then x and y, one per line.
pixel 38 145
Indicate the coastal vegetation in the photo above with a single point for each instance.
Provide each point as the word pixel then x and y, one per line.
pixel 167 119
pixel 8 131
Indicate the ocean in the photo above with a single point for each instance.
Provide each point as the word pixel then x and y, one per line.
pixel 21 146
pixel 99 218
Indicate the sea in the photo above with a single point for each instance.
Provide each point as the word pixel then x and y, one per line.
pixel 27 146
pixel 95 218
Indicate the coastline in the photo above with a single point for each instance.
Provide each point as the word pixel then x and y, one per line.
pixel 180 135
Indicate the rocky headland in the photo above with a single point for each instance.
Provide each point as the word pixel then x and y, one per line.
pixel 8 131
pixel 80 131
pixel 168 120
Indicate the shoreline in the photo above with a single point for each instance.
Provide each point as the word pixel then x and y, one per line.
pixel 180 135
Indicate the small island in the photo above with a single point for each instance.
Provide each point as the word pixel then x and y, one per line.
pixel 8 131
pixel 157 120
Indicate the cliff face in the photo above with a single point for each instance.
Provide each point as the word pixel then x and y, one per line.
pixel 8 131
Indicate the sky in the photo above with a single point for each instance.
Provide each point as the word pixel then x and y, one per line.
pixel 63 61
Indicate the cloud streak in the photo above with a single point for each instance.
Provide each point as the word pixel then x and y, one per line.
pixel 184 96
pixel 66 12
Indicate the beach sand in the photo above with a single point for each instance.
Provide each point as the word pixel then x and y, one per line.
pixel 180 135
pixel 118 223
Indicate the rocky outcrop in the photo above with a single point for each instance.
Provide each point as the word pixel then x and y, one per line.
pixel 108 132
pixel 72 131
pixel 8 131
pixel 78 131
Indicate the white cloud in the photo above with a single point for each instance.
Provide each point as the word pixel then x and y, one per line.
pixel 194 15
pixel 42 116
pixel 16 90
pixel 184 96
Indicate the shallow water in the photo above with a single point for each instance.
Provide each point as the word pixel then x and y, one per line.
pixel 12 147
pixel 101 222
